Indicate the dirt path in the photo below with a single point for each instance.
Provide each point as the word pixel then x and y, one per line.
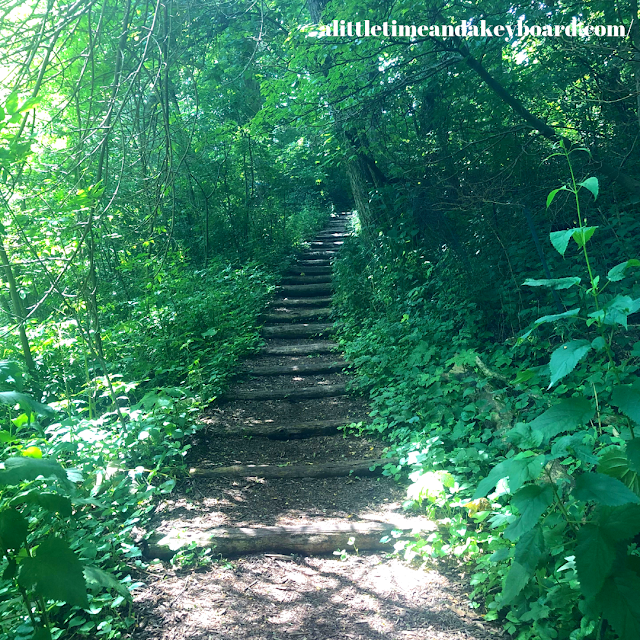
pixel 282 418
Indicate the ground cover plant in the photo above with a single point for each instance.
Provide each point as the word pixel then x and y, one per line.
pixel 528 461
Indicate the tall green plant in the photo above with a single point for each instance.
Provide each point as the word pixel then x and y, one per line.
pixel 572 478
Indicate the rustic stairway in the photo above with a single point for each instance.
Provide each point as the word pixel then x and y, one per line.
pixel 296 390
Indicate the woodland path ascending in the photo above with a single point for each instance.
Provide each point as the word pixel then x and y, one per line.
pixel 275 486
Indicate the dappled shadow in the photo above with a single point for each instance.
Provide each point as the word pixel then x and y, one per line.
pixel 250 501
pixel 272 597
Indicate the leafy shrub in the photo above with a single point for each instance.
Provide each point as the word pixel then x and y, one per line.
pixel 543 495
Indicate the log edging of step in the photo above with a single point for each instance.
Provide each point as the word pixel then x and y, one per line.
pixel 301 314
pixel 285 432
pixel 366 467
pixel 327 270
pixel 306 368
pixel 324 278
pixel 308 349
pixel 301 302
pixel 318 538
pixel 290 393
pixel 305 290
pixel 301 330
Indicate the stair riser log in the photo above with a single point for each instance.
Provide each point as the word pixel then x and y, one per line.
pixel 307 279
pixel 328 470
pixel 303 315
pixel 288 432
pixel 291 393
pixel 314 271
pixel 299 369
pixel 305 540
pixel 311 255
pixel 309 349
pixel 305 290
pixel 302 330
pixel 301 302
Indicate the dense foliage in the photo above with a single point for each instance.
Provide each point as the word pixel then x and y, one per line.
pixel 159 162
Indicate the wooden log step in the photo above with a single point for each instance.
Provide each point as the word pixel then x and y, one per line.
pixel 302 270
pixel 285 432
pixel 326 470
pixel 306 368
pixel 305 290
pixel 290 393
pixel 301 330
pixel 327 243
pixel 307 279
pixel 298 316
pixel 303 349
pixel 325 253
pixel 331 235
pixel 317 538
pixel 301 302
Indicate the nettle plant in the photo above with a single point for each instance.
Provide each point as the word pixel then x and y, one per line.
pixel 573 472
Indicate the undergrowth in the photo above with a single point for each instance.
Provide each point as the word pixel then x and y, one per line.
pixel 524 450
pixel 82 470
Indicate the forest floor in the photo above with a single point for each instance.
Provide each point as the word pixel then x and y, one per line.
pixel 285 592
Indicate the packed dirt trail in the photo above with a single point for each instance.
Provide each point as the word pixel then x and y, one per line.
pixel 276 488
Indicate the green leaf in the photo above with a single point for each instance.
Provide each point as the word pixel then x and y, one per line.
pixel 595 554
pixel 598 343
pixel 617 310
pixel 29 104
pixel 551 318
pixel 526 469
pixel 603 489
pixel 17 470
pixel 10 371
pixel 560 239
pixel 55 573
pixel 564 416
pixel 627 399
pixel 619 523
pixel 101 578
pixel 614 463
pixel 527 555
pixel 41 633
pixel 52 502
pixel 633 454
pixel 5 436
pixel 531 501
pixel 554 283
pixel 565 358
pixel 592 185
pixel 524 436
pixel 521 468
pixel 583 235
pixel 618 600
pixel 12 103
pixel 26 402
pixel 553 194
pixel 618 272
pixel 515 582
pixel 13 529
